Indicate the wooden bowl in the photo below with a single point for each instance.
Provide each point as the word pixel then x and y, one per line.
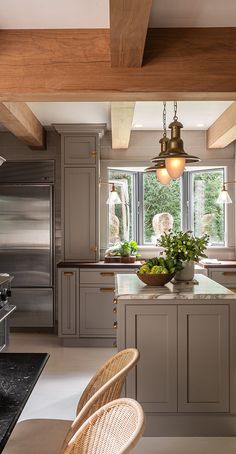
pixel 155 279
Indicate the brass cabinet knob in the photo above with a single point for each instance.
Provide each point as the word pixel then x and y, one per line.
pixel 115 325
pixel 93 153
pixel 115 309
pixel 114 344
pixel 94 248
pixel 115 301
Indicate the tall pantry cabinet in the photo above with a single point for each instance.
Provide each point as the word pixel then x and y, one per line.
pixel 80 151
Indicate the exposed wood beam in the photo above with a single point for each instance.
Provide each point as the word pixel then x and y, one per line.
pixel 20 120
pixel 74 65
pixel 121 123
pixel 128 27
pixel 223 131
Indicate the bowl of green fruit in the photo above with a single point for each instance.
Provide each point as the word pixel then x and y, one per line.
pixel 157 271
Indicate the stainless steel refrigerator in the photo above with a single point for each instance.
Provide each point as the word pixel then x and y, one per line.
pixel 26 239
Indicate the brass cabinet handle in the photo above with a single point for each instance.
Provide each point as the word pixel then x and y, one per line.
pixel 115 325
pixel 115 309
pixel 229 273
pixel 93 153
pixel 106 289
pixel 94 248
pixel 114 344
pixel 115 301
pixel 68 273
pixel 103 273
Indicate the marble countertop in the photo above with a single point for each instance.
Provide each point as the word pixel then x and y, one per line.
pixel 19 373
pixel 129 286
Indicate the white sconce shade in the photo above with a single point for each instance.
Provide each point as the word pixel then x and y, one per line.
pixel 224 197
pixel 175 167
pixel 113 198
pixel 163 176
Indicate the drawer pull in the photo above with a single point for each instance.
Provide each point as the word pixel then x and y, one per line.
pixel 229 273
pixel 93 153
pixel 94 249
pixel 107 274
pixel 106 289
pixel 115 309
pixel 115 325
pixel 68 273
pixel 115 301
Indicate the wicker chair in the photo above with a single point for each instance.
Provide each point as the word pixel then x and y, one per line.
pixel 113 429
pixel 105 386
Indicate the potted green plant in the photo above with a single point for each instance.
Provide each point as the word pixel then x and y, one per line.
pixel 185 249
pixel 125 252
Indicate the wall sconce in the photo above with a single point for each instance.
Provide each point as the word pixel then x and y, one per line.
pixel 224 196
pixel 114 198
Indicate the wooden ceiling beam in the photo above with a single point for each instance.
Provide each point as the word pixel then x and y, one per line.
pixel 223 131
pixel 121 123
pixel 20 120
pixel 74 65
pixel 128 27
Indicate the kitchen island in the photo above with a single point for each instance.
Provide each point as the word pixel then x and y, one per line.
pixel 186 335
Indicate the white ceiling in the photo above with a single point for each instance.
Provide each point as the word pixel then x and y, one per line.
pixel 95 13
pixel 147 115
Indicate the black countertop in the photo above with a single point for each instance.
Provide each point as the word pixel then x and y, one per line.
pixel 98 265
pixel 19 372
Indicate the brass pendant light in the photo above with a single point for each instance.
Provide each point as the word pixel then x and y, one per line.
pixel 160 168
pixel 175 156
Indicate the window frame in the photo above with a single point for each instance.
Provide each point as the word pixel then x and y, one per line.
pixel 146 249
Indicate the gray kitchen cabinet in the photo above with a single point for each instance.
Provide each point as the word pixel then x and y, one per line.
pixel 225 276
pixel 203 358
pixel 96 312
pixel 153 330
pixel 80 214
pixel 68 302
pixel 80 150
pixel 184 356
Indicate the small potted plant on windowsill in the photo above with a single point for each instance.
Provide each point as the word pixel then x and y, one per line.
pixel 184 248
pixel 124 252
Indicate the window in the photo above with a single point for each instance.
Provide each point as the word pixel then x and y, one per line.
pixel 149 208
pixel 207 216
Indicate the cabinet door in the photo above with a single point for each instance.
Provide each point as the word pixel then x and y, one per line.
pixel 96 312
pixel 153 330
pixel 80 150
pixel 80 213
pixel 68 282
pixel 203 367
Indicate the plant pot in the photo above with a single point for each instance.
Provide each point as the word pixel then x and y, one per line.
pixel 187 273
pixel 129 259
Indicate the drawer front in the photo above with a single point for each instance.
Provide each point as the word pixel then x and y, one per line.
pixel 103 276
pixel 225 277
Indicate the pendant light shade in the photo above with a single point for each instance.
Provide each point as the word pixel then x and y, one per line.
pixel 163 176
pixel 113 198
pixel 224 197
pixel 175 156
pixel 175 167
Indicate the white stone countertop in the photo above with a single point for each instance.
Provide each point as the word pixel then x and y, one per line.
pixel 129 286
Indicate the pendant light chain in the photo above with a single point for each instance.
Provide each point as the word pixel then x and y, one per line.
pixel 175 111
pixel 164 119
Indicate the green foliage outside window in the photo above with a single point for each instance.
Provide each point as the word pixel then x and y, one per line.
pixel 160 199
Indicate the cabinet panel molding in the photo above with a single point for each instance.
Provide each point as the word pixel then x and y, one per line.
pixel 203 358
pixel 153 330
pixel 68 282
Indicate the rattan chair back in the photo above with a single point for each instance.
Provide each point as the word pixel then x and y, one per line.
pixel 113 429
pixel 105 386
